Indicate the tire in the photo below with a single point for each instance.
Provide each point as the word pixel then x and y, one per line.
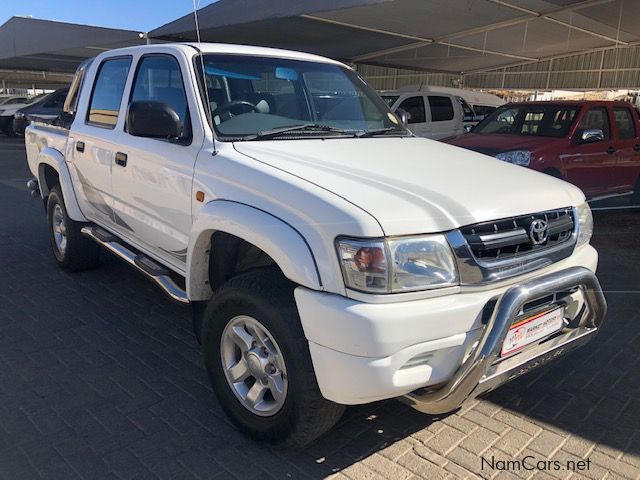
pixel 266 296
pixel 73 251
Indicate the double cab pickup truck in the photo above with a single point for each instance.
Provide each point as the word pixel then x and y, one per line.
pixel 329 256
pixel 592 144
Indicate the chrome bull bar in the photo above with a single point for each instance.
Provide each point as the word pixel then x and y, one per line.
pixel 482 372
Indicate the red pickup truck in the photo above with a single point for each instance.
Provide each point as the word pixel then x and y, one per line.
pixel 592 144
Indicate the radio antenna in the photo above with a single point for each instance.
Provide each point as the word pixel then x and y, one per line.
pixel 196 4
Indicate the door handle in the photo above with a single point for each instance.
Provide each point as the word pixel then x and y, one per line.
pixel 636 147
pixel 121 159
pixel 611 150
pixel 80 146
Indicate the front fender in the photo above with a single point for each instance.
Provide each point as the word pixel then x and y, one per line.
pixel 282 242
pixel 55 159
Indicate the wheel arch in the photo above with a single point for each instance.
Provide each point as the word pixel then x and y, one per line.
pixel 221 220
pixel 53 170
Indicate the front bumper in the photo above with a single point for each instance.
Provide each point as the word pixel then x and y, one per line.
pixel 483 370
pixel 436 352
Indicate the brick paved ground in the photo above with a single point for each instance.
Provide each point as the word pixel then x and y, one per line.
pixel 100 377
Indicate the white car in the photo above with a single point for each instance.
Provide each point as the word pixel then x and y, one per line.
pixel 432 115
pixel 330 257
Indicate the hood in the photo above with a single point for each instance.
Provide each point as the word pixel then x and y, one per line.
pixel 415 185
pixel 493 144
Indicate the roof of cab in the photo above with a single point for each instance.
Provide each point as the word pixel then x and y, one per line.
pixel 227 48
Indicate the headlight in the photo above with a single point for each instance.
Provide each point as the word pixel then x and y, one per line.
pixel 517 157
pixel 397 265
pixel 585 224
pixel 19 115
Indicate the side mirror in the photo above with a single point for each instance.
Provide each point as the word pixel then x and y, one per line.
pixel 592 135
pixel 468 128
pixel 404 116
pixel 153 120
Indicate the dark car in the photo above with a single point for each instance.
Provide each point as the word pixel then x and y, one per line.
pixel 46 110
pixel 592 144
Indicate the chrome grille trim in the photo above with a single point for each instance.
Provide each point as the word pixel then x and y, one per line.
pixel 478 271
pixel 509 237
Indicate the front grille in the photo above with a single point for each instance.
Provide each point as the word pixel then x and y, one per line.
pixel 510 237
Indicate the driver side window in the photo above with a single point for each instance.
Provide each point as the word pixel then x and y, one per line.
pixel 159 79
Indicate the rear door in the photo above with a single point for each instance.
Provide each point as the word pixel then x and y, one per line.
pixel 93 140
pixel 446 117
pixel 415 108
pixel 152 179
pixel 590 165
pixel 627 144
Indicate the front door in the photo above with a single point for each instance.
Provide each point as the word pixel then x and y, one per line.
pixel 589 165
pixel 444 121
pixel 152 181
pixel 414 106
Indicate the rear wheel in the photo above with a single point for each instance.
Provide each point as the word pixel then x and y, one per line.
pixel 73 251
pixel 259 363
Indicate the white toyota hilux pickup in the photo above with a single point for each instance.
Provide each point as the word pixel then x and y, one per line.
pixel 330 257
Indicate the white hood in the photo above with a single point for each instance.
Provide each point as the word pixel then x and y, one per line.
pixel 415 185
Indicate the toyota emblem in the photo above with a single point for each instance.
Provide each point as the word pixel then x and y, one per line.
pixel 538 231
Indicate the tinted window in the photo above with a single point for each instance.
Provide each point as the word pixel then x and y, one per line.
pixel 469 114
pixel 441 108
pixel 534 120
pixel 482 110
pixel 107 92
pixel 56 101
pixel 625 123
pixel 13 101
pixel 159 80
pixel 390 99
pixel 414 106
pixel 596 117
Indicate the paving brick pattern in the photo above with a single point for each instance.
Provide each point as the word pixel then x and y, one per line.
pixel 100 377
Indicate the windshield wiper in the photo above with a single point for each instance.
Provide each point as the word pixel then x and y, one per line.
pixel 306 127
pixel 379 131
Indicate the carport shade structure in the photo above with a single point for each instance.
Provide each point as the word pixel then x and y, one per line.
pixel 53 49
pixel 452 36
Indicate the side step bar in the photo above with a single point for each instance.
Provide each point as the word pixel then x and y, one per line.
pixel 150 268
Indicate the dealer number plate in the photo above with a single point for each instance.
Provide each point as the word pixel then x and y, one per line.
pixel 532 329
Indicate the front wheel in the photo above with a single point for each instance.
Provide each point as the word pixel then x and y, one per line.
pixel 259 363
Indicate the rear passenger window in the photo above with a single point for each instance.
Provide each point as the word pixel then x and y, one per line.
pixel 625 123
pixel 159 79
pixel 441 108
pixel 107 92
pixel 414 106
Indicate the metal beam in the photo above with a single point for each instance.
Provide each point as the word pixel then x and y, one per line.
pixel 421 40
pixel 529 15
pixel 553 57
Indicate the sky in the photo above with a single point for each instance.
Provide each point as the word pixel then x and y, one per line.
pixel 142 15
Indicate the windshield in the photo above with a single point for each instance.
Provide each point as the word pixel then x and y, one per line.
pixel 253 95
pixel 532 120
